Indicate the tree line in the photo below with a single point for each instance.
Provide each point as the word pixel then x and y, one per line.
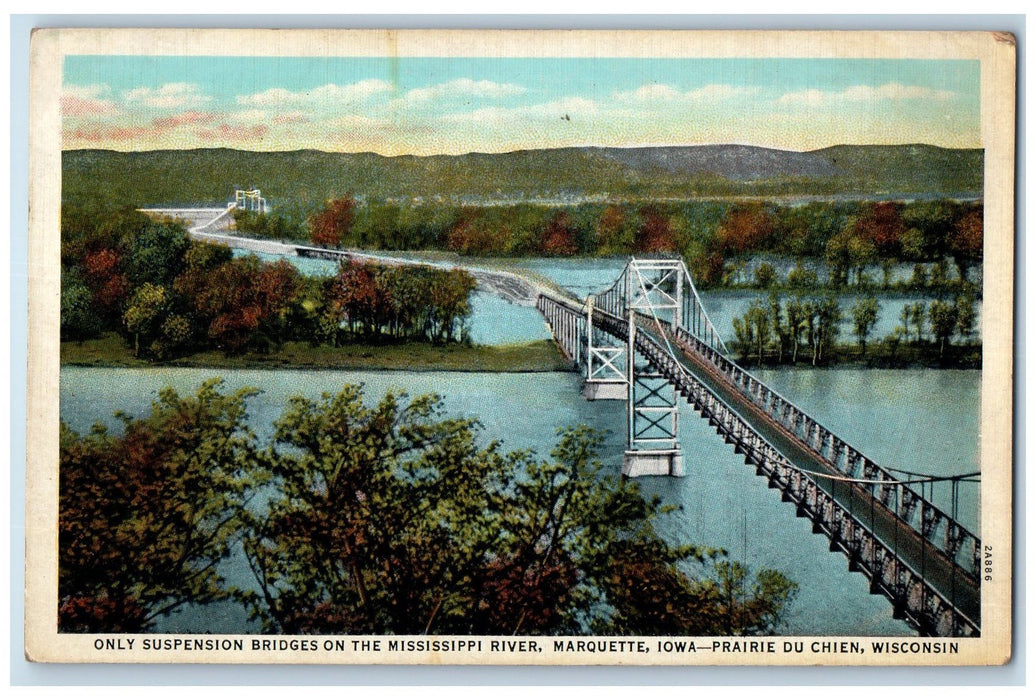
pixel 789 330
pixel 374 517
pixel 713 236
pixel 934 279
pixel 168 295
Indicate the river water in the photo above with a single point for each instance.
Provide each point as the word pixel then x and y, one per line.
pixel 918 420
pixel 720 502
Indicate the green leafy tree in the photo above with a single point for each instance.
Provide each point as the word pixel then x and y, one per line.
pixel 392 518
pixel 933 221
pixel 823 319
pixel 156 255
pixel 753 331
pixel 802 278
pixel 913 244
pixel 146 517
pixel 942 316
pixel 864 314
pixel 765 275
pixel 966 315
pixel 79 318
pixel 797 312
pixel 143 319
pixel 916 314
pixel 782 330
pixel 939 278
pixel 919 277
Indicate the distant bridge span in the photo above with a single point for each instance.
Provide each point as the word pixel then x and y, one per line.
pixel 215 225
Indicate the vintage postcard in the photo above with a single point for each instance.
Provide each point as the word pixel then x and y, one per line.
pixel 520 347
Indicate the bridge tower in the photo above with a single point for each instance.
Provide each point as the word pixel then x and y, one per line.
pixel 605 367
pixel 250 200
pixel 654 293
pixel 652 302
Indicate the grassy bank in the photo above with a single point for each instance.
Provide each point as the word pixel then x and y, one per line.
pixel 111 350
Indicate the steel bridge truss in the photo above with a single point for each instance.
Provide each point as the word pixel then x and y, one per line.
pixel 605 360
pixel 909 589
pixel 250 200
pixel 662 289
pixel 625 337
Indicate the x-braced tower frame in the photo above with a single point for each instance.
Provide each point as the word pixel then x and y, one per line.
pixel 654 293
pixel 648 292
pixel 605 364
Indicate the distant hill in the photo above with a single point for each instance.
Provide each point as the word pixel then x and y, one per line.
pixel 566 174
pixel 738 163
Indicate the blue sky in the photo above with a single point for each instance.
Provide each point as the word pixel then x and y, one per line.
pixel 454 105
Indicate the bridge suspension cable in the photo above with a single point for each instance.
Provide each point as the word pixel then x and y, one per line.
pixel 651 301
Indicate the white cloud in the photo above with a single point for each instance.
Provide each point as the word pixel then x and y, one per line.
pixel 168 96
pixel 865 93
pixel 271 97
pixel 573 107
pixel 463 87
pixel 248 116
pixel 658 93
pixel 806 97
pixel 326 95
pixel 355 121
pixel 719 92
pixel 650 93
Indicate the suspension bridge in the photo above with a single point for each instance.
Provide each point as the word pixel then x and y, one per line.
pixel 647 340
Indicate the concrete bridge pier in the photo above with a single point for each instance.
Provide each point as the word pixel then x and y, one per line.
pixel 652 463
pixel 600 390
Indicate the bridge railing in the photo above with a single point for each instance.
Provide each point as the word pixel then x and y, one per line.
pixel 938 528
pixel 912 595
pixel 944 533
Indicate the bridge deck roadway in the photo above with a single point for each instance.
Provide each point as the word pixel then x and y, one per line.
pixel 899 537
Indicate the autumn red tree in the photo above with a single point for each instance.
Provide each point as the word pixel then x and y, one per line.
pixel 616 230
pixel 655 234
pixel 236 299
pixel 557 238
pixel 362 297
pixel 472 235
pixel 745 229
pixel 103 274
pixel 332 225
pixel 966 240
pixel 882 225
pixel 707 269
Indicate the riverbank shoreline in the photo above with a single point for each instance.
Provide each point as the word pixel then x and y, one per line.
pixel 879 355
pixel 110 350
